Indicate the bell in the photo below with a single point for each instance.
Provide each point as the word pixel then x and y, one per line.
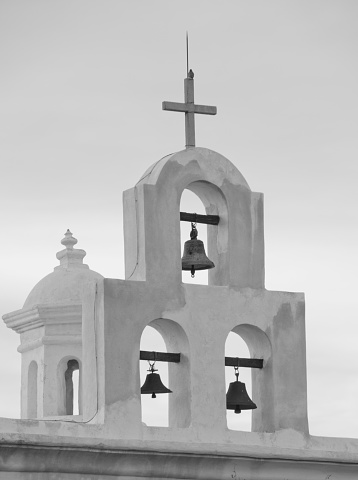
pixel 194 256
pixel 237 398
pixel 153 383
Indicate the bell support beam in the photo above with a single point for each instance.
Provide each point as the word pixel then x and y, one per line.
pixel 244 362
pixel 159 356
pixel 175 358
pixel 195 218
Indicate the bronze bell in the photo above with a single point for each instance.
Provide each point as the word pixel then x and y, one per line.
pixel 237 398
pixel 194 256
pixel 153 383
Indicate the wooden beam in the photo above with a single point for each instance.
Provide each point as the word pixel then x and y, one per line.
pixel 175 358
pixel 244 362
pixel 193 217
pixel 159 356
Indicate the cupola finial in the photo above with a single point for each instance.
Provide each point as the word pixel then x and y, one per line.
pixel 69 241
pixel 71 257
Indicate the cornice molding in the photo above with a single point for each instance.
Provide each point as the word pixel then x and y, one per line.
pixel 41 315
pixel 50 340
pixel 134 463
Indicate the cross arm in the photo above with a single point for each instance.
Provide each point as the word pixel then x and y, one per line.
pixel 205 109
pixel 189 108
pixel 175 106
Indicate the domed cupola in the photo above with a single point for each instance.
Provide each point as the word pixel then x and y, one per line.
pixel 50 327
pixel 64 284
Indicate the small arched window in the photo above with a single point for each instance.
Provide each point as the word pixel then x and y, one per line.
pixel 72 387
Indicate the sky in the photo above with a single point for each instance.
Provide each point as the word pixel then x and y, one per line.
pixel 81 88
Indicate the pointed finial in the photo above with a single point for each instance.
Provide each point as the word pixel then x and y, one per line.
pixel 189 73
pixel 187 53
pixel 189 106
pixel 69 241
pixel 70 257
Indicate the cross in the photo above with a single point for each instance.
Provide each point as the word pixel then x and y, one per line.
pixel 190 109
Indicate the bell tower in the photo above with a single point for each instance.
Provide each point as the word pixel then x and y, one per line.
pixel 195 320
pixel 271 323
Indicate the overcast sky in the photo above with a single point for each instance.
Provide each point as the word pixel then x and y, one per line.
pixel 82 83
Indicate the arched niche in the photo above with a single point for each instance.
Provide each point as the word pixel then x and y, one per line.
pixel 216 238
pixel 259 346
pixel 32 381
pixel 69 391
pixel 178 380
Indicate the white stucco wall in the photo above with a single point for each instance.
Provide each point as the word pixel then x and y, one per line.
pixel 109 439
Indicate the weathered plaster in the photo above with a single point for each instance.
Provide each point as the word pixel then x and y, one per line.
pixel 207 314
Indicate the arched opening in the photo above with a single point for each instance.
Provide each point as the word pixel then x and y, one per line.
pixel 69 386
pixel 172 409
pixel 191 203
pixel 249 341
pixel 235 346
pixel 32 390
pixel 72 387
pixel 76 391
pixel 155 411
pixel 205 198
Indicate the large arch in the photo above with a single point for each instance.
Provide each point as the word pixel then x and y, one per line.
pixel 152 249
pixel 210 166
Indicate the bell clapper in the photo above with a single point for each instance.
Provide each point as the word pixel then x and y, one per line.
pixel 152 370
pixel 193 236
pixel 237 407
